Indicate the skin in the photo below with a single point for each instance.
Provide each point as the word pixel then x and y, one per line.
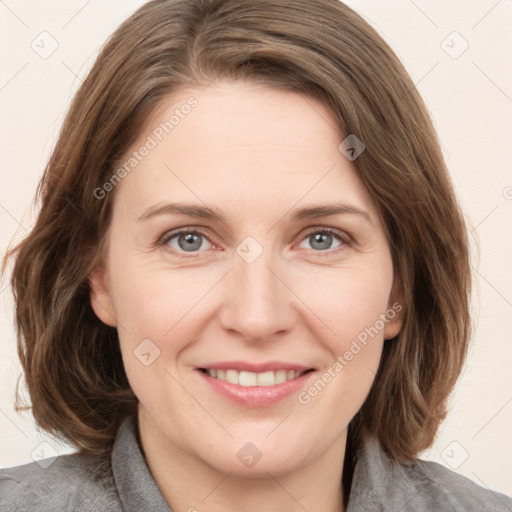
pixel 255 154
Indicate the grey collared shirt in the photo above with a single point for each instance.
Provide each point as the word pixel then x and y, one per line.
pixel 73 483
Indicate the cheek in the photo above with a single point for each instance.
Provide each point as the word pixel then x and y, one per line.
pixel 351 306
pixel 157 303
pixel 347 301
pixel 155 311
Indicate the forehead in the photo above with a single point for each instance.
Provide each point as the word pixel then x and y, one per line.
pixel 240 143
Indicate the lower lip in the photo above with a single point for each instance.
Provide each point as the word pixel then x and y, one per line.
pixel 256 396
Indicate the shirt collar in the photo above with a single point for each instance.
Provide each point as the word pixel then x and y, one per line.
pixel 136 487
pixel 379 484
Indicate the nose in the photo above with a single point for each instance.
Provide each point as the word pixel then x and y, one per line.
pixel 258 304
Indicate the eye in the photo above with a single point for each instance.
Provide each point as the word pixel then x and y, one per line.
pixel 188 240
pixel 321 239
pixel 185 240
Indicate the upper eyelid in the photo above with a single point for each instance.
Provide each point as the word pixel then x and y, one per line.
pixel 178 231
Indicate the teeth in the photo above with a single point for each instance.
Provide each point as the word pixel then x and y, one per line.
pixel 265 378
pixel 249 379
pixel 280 376
pixel 232 376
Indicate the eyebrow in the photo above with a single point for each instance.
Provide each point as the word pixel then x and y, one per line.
pixel 204 212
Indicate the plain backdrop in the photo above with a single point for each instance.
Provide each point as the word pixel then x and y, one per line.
pixel 459 56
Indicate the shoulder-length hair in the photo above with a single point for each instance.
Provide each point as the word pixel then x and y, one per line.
pixel 322 48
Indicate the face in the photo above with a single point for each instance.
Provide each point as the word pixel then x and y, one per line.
pixel 256 310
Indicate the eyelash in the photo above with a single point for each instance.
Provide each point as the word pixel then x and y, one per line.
pixel 344 238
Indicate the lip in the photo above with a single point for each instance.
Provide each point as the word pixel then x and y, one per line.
pixel 256 367
pixel 257 396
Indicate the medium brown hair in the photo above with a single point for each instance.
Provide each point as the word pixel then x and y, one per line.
pixel 322 48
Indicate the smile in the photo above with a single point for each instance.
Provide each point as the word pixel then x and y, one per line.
pixel 251 379
pixel 255 388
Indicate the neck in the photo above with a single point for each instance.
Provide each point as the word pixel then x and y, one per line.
pixel 190 484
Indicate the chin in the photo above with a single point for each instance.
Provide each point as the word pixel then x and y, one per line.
pixel 255 459
pixel 276 465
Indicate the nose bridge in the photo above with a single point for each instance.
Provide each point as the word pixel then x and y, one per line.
pixel 257 303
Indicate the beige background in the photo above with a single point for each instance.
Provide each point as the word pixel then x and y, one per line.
pixel 469 95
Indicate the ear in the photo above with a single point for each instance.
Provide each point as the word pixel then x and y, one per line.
pixel 101 301
pixel 396 309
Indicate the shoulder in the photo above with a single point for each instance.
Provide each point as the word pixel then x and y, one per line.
pixel 381 484
pixel 438 484
pixel 70 482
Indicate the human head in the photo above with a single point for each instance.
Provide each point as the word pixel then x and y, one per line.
pixel 345 65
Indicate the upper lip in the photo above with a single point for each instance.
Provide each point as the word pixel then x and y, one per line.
pixel 255 367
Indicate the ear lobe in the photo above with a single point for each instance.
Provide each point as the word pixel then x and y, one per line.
pixel 101 301
pixel 396 310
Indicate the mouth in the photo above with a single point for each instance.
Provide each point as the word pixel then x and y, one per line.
pixel 250 379
pixel 255 389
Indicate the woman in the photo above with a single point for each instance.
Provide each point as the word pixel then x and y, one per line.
pixel 248 284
